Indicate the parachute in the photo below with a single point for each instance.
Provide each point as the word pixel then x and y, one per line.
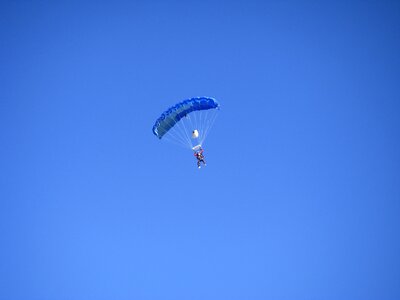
pixel 188 122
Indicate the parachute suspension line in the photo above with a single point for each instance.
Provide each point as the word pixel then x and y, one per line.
pixel 174 141
pixel 210 123
pixel 204 120
pixel 175 134
pixel 197 126
pixel 196 122
pixel 172 136
pixel 192 124
pixel 177 131
pixel 187 126
pixel 207 124
pixel 201 124
pixel 188 129
pixel 183 129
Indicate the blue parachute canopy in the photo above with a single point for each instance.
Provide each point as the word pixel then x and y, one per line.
pixel 175 113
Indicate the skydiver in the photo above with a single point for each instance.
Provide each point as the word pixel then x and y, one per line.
pixel 200 157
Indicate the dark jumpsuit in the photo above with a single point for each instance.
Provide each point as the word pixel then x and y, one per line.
pixel 200 157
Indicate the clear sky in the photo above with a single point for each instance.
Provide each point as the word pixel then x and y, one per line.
pixel 301 195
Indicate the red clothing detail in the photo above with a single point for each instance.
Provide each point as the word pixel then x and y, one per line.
pixel 199 153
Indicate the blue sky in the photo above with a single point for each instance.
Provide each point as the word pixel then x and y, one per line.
pixel 301 195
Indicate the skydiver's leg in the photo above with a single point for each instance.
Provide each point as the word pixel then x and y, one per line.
pixel 198 163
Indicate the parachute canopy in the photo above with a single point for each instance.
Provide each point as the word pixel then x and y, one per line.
pixel 189 119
